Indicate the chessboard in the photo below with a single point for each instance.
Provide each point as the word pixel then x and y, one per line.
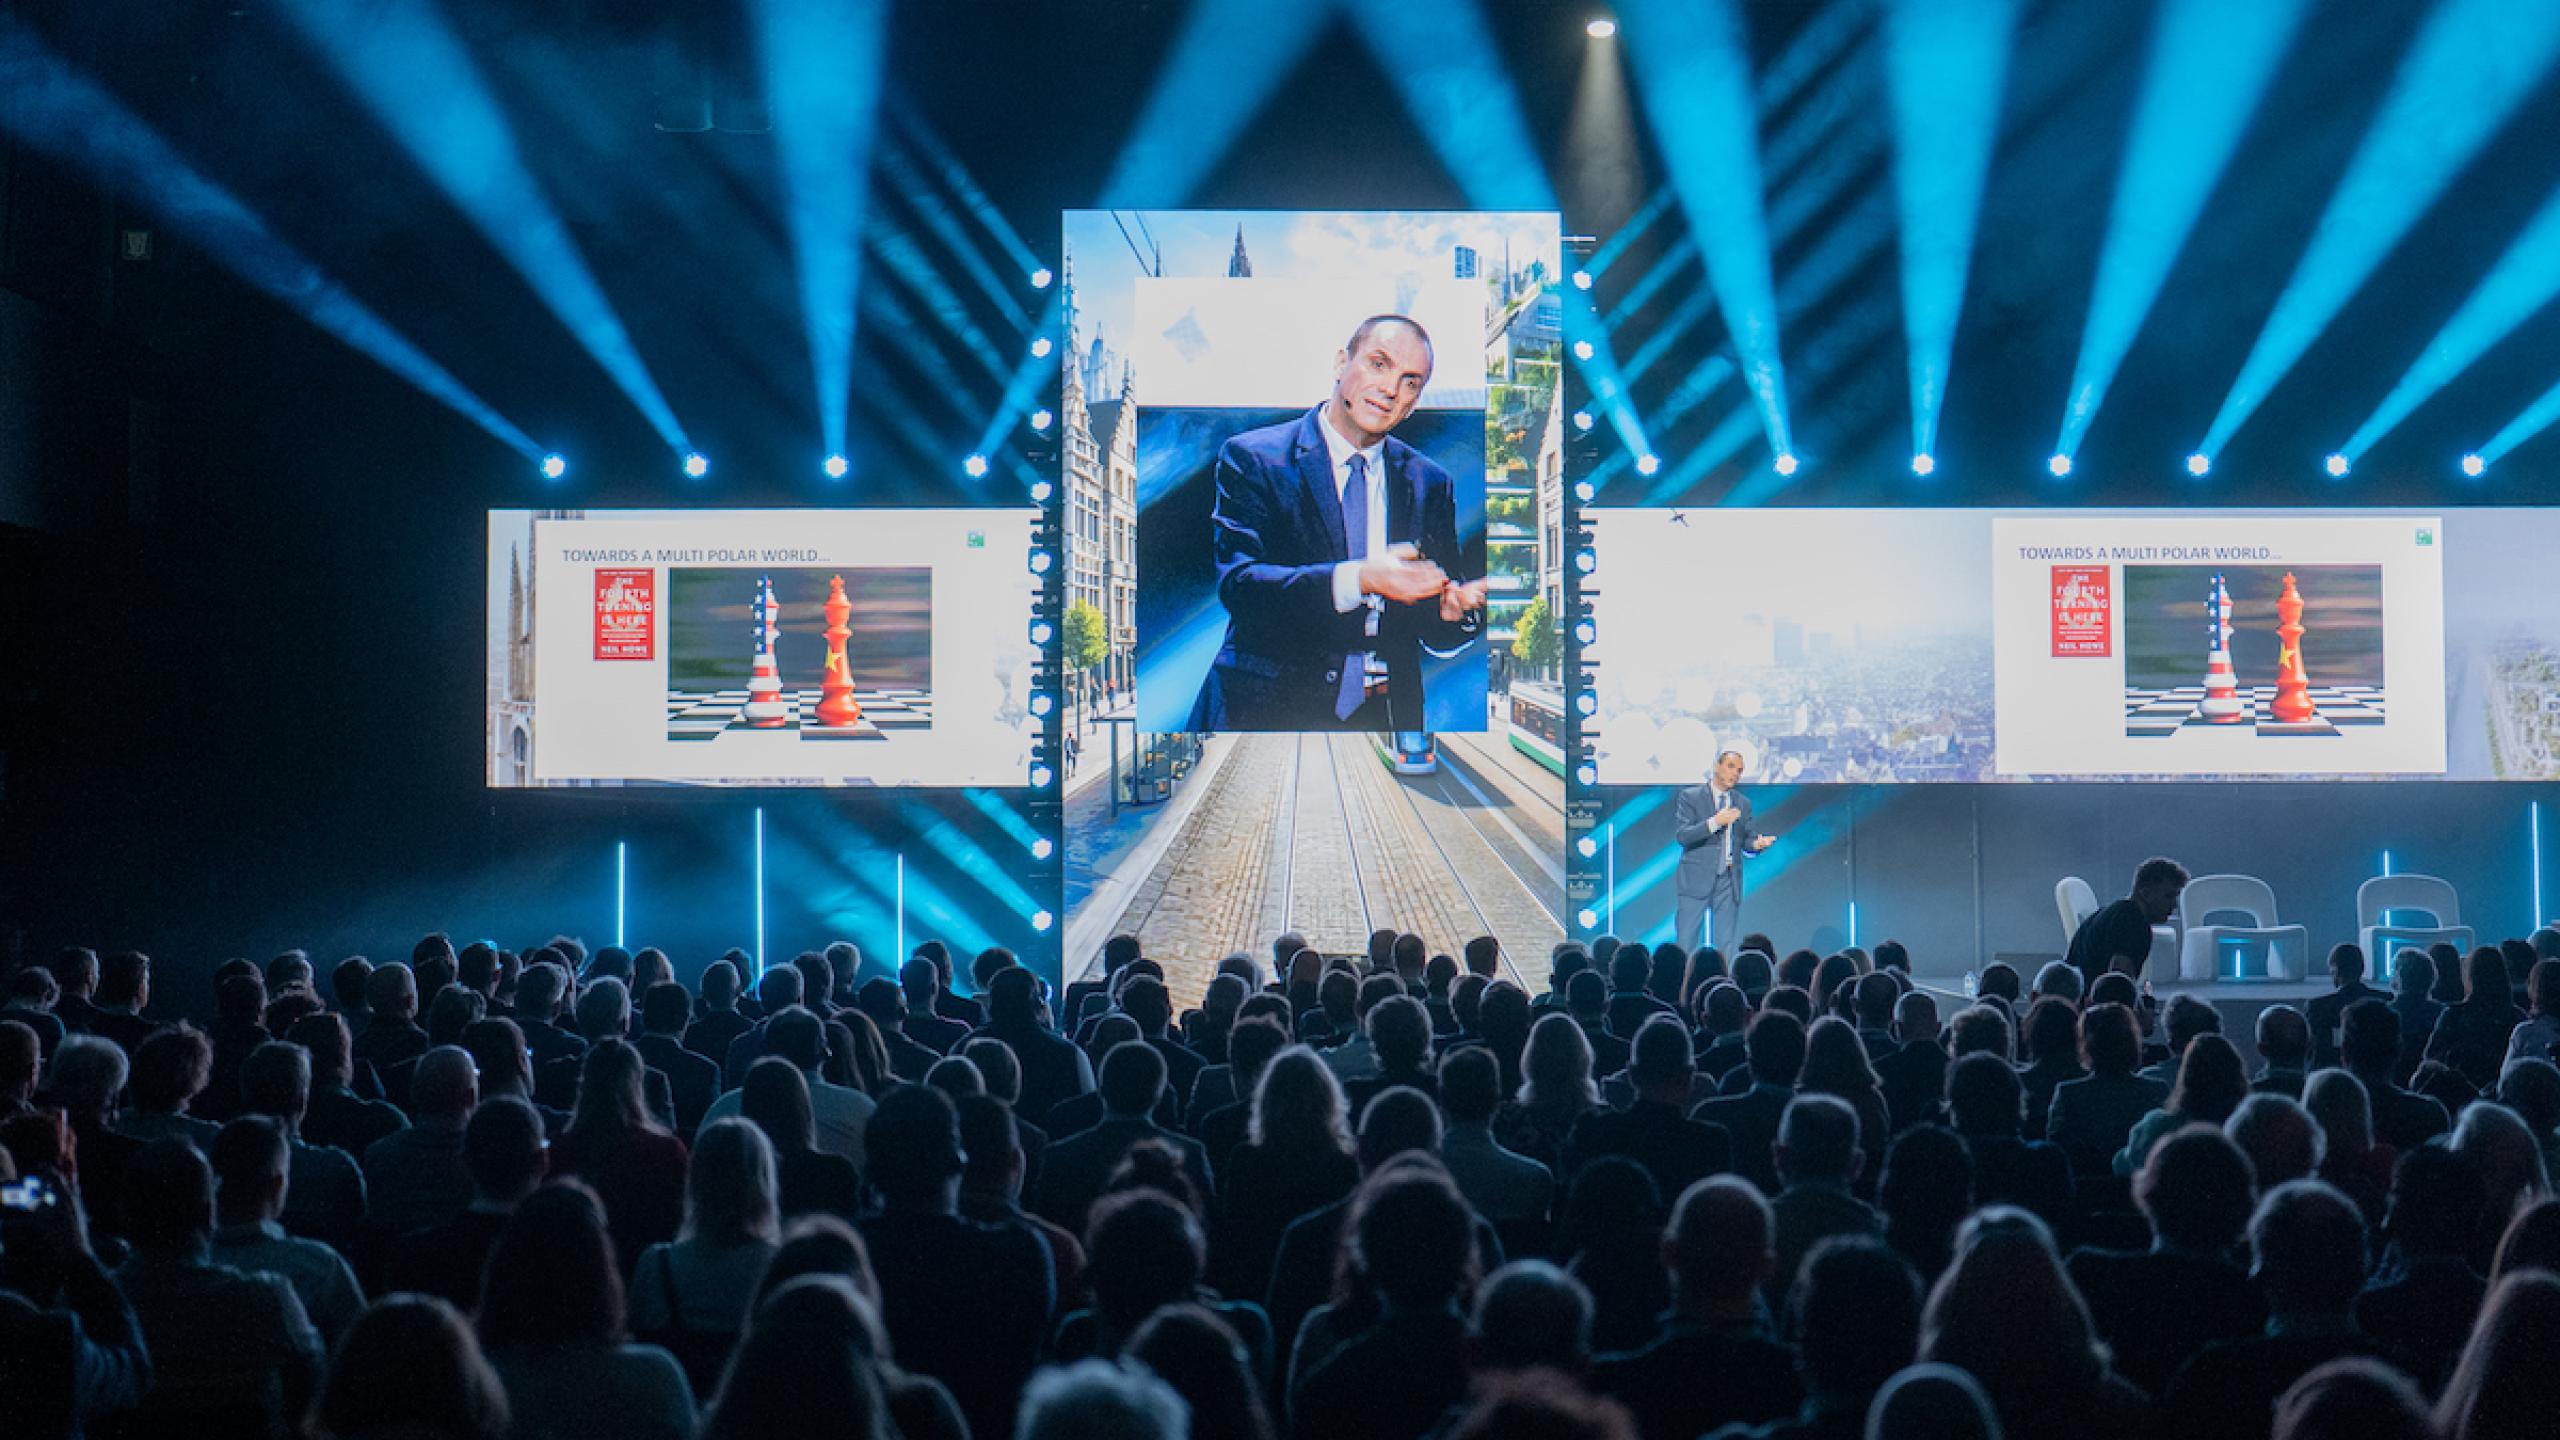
pixel 2153 713
pixel 710 714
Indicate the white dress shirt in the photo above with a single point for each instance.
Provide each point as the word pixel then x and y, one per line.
pixel 1346 575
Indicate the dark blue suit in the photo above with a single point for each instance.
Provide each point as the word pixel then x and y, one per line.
pixel 1277 533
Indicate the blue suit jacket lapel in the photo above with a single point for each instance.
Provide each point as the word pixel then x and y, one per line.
pixel 1315 472
pixel 1404 500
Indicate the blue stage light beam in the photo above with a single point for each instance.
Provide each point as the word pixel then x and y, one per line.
pixel 422 85
pixel 1946 67
pixel 1692 61
pixel 2517 287
pixel 2209 67
pixel 964 186
pixel 2529 422
pixel 2473 64
pixel 909 182
pixel 1608 385
pixel 1031 377
pixel 1627 234
pixel 822 71
pixel 69 118
pixel 1231 57
pixel 1442 59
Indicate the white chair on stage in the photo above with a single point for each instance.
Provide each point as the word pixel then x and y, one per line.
pixel 2077 902
pixel 2398 896
pixel 2227 952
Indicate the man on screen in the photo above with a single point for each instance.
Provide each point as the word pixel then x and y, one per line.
pixel 1712 822
pixel 1337 552
pixel 2118 936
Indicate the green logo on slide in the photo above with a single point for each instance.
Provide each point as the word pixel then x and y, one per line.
pixel 2426 537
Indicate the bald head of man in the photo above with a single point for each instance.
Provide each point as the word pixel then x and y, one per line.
pixel 446 1085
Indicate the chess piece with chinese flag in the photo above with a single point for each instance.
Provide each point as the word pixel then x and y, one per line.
pixel 836 705
pixel 2292 704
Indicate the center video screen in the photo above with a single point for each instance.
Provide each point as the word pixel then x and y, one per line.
pixel 761 647
pixel 1881 646
pixel 1313 466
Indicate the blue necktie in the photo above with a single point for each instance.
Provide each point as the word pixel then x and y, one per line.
pixel 1355 538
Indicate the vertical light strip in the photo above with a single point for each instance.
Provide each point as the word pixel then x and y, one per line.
pixel 902 908
pixel 1853 922
pixel 759 892
pixel 1612 926
pixel 2534 814
pixel 621 888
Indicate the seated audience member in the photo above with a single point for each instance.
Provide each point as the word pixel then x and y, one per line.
pixel 2350 1160
pixel 1219 1085
pixel 249 1160
pixel 2280 1138
pixel 2508 1160
pixel 921 982
pixel 690 1294
pixel 1073 1173
pixel 124 992
pixel 2058 981
pixel 1932 1402
pixel 2539 1036
pixel 2310 1246
pixel 1298 1158
pixel 885 1005
pixel 1724 1013
pixel 1557 1085
pixel 1095 1398
pixel 1053 1069
pixel 324 1191
pixel 1835 1063
pixel 839 1115
pixel 825 1248
pixel 30 997
pixel 717 1022
pixel 1399 1032
pixel 1775 1046
pixel 1194 1351
pixel 1252 1043
pixel 87 1074
pixel 2156 1307
pixel 1925 1193
pixel 415 1178
pixel 2424 1294
pixel 1654 1131
pixel 2532 1241
pixel 1818 1161
pixel 2284 1042
pixel 1610 1237
pixel 2505 1383
pixel 2471 1038
pixel 2326 1015
pixel 1414 1247
pixel 1715 1361
pixel 2186 1017
pixel 692 1081
pixel 2365 1399
pixel 551 1321
pixel 991 1188
pixel 2092 1117
pixel 2369 1048
pixel 806 1367
pixel 1914 1076
pixel 2211 1083
pixel 2007 1314
pixel 538 995
pixel 504 1149
pixel 232 1353
pixel 1513 1191
pixel 1854 1315
pixel 335 1115
pixel 70 1351
pixel 981 1339
pixel 1587 1004
pixel 170 1069
pixel 1145 1250
pixel 408 1369
pixel 1986 1102
pixel 622 1153
pixel 1146 1001
pixel 1529 1318
pixel 391 1032
pixel 2052 1034
pixel 812 1182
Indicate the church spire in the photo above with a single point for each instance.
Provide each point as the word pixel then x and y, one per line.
pixel 1239 265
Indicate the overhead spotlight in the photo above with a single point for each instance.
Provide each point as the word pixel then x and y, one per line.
pixel 2199 463
pixel 1585 633
pixel 1581 349
pixel 697 465
pixel 1040 348
pixel 835 467
pixel 1043 848
pixel 1587 918
pixel 1601 28
pixel 1041 705
pixel 1041 920
pixel 1586 847
pixel 1040 492
pixel 1041 277
pixel 1041 631
pixel 1041 775
pixel 1587 703
pixel 2473 466
pixel 1588 774
pixel 554 466
pixel 1785 464
pixel 1647 464
pixel 2060 465
pixel 1040 562
pixel 1923 463
pixel 1586 559
pixel 1041 420
pixel 975 467
pixel 2337 465
pixel 1581 279
pixel 1585 491
pixel 1582 420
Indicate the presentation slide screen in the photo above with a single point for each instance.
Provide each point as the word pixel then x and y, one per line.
pixel 1234 370
pixel 1865 646
pixel 761 647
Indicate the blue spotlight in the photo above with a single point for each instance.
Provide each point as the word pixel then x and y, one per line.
pixel 1581 279
pixel 2472 65
pixel 554 466
pixel 1043 848
pixel 1029 378
pixel 1587 775
pixel 1582 420
pixel 1945 65
pixel 2531 421
pixel 822 66
pixel 1586 560
pixel 836 467
pixel 1585 632
pixel 2337 465
pixel 1041 560
pixel 1041 278
pixel 1585 491
pixel 1040 492
pixel 975 467
pixel 2199 464
pixel 2060 465
pixel 1041 920
pixel 62 114
pixel 2523 281
pixel 1203 98
pixel 1042 419
pixel 1041 775
pixel 1694 68
pixel 1581 349
pixel 1924 463
pixel 1041 632
pixel 696 465
pixel 1041 705
pixel 1586 847
pixel 1040 348
pixel 1647 464
pixel 2209 65
pixel 2474 466
pixel 1444 62
pixel 1785 464
pixel 420 82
